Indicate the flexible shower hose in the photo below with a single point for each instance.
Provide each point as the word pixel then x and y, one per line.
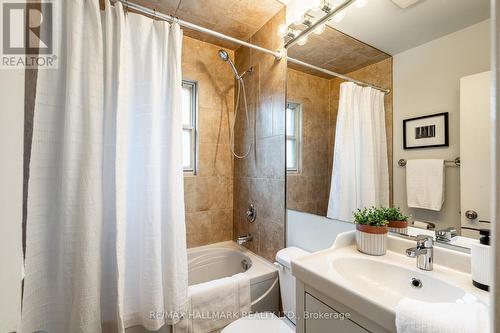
pixel 241 86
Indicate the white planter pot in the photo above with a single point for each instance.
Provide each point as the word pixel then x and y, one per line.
pixel 371 240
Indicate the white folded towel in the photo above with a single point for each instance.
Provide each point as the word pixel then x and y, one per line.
pixel 425 184
pixel 414 316
pixel 215 304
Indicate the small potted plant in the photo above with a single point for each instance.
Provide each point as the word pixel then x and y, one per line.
pixel 371 231
pixel 397 222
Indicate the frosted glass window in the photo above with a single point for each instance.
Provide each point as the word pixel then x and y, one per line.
pixel 290 119
pixel 186 149
pixel 189 131
pixel 290 155
pixel 187 98
pixel 293 130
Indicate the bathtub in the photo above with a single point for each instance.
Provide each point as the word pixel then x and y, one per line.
pixel 219 260
pixel 215 261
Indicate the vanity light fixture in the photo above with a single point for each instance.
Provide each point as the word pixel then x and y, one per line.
pixel 334 11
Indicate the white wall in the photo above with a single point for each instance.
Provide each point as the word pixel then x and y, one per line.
pixel 427 81
pixel 11 186
pixel 313 232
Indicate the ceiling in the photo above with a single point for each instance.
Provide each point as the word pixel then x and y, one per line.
pixel 335 51
pixel 236 18
pixel 391 29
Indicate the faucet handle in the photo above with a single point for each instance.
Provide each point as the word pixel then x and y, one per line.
pixel 412 252
pixel 425 241
pixel 446 235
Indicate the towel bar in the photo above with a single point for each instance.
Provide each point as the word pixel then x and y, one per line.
pixel 456 162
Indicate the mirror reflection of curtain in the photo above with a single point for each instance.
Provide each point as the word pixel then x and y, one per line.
pixel 360 175
pixel 106 240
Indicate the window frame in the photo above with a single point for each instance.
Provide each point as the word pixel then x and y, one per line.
pixel 296 137
pixel 192 127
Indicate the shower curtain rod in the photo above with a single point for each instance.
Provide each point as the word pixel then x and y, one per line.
pixel 326 71
pixel 151 12
pixel 278 55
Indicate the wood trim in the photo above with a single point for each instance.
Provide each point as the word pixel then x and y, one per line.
pixel 370 229
pixel 398 224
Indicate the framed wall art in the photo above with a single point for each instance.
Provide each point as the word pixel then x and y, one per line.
pixel 426 131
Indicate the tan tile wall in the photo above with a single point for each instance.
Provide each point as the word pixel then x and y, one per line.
pixel 336 51
pixel 308 191
pixel 209 193
pixel 260 178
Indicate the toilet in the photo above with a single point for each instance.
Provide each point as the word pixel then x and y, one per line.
pixel 266 321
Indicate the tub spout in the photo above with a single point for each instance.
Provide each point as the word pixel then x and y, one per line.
pixel 243 239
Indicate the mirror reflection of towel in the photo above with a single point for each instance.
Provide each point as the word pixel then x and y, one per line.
pixel 425 183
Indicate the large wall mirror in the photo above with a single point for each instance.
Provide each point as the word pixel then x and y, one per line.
pixel 393 112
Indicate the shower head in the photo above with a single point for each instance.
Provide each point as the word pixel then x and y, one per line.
pixel 225 57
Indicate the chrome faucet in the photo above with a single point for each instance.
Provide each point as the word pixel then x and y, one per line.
pixel 423 252
pixel 243 239
pixel 446 235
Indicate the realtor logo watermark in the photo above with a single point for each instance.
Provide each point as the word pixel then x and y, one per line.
pixel 27 34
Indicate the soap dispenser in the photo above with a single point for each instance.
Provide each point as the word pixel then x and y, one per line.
pixel 481 261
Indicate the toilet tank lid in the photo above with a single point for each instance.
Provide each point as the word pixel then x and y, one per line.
pixel 286 255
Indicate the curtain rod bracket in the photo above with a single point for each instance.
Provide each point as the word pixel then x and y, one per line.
pixel 278 55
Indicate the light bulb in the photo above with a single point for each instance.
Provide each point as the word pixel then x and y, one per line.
pixel 282 30
pixel 337 18
pixel 336 3
pixel 316 4
pixel 298 18
pixel 325 6
pixel 361 3
pixel 302 41
pixel 320 29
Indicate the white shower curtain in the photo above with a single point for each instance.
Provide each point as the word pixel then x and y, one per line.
pixel 360 176
pixel 106 243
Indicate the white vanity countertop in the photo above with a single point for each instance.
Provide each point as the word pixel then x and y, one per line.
pixel 373 285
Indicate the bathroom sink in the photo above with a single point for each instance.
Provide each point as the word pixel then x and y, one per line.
pixel 391 283
pixel 374 285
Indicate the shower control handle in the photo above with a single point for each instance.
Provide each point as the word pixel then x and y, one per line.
pixel 251 213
